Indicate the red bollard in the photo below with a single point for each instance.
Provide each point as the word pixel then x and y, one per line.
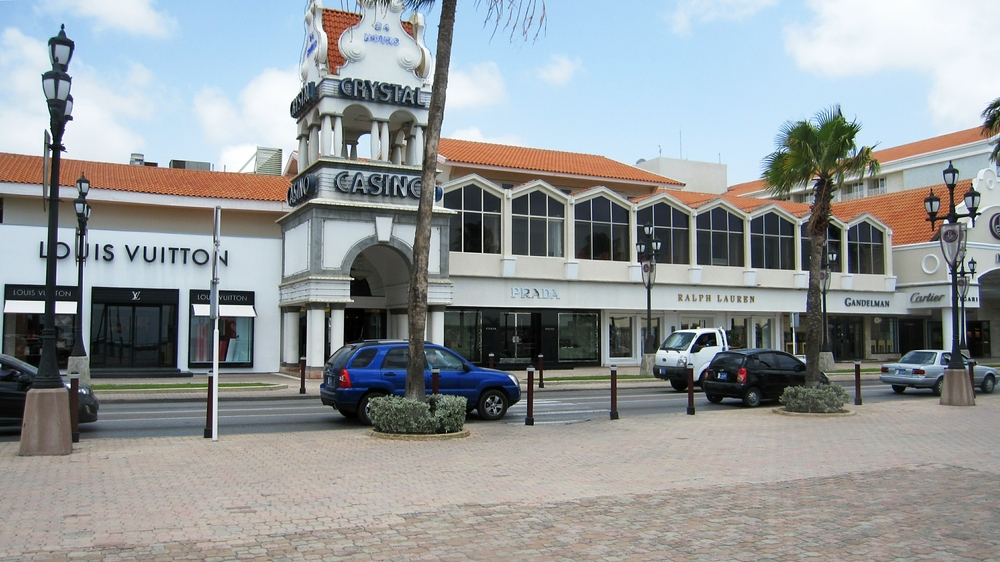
pixel 530 417
pixel 302 375
pixel 690 373
pixel 491 361
pixel 435 378
pixel 208 414
pixel 857 383
pixel 541 371
pixel 74 405
pixel 972 376
pixel 614 392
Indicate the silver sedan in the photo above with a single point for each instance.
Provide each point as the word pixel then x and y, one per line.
pixel 924 368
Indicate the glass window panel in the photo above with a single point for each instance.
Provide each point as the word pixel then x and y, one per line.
pixel 619 214
pixel 757 225
pixel 735 250
pixel 679 246
pixel 455 233
pixel 555 238
pixel 582 236
pixel 620 245
pixel 578 337
pixel 453 199
pixel 878 260
pixel 537 235
pixel 472 198
pixel 461 333
pixel 735 223
pixel 491 234
pixel 704 247
pixel 757 251
pixel 704 221
pixel 601 208
pixel 620 336
pixel 602 241
pixel 582 211
pixel 643 216
pixel 519 236
pixel 473 233
pixel 787 253
pixel 519 206
pixel 556 208
pixel 491 203
pixel 537 204
pixel 661 214
pixel 720 249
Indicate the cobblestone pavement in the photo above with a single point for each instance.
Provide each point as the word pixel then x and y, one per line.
pixel 900 480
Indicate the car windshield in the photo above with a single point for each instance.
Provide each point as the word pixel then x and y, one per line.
pixel 919 358
pixel 677 341
pixel 728 362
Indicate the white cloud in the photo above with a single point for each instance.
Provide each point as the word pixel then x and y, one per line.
pixel 560 69
pixel 480 87
pixel 706 11
pixel 137 17
pixel 258 118
pixel 101 112
pixel 951 43
pixel 475 134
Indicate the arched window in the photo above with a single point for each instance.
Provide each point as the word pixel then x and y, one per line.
pixel 537 225
pixel 865 249
pixel 772 242
pixel 671 226
pixel 476 227
pixel 833 238
pixel 720 238
pixel 601 230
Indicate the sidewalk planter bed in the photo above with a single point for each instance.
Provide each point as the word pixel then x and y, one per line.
pixel 824 399
pixel 441 413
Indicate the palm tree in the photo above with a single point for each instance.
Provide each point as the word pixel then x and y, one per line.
pixel 521 16
pixel 991 127
pixel 823 151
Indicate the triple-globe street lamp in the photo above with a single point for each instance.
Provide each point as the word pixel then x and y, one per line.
pixel 647 250
pixel 965 280
pixel 82 209
pixel 826 274
pixel 953 244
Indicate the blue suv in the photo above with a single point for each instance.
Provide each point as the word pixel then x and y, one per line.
pixel 360 371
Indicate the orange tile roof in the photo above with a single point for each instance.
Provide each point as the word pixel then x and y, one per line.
pixel 748 187
pixel 950 140
pixel 19 168
pixel 335 23
pixel 902 211
pixel 541 160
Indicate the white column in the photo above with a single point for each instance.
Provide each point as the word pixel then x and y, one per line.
pixel 336 327
pixel 353 152
pixel 326 135
pixel 315 336
pixel 385 141
pixel 418 146
pixel 338 136
pixel 303 152
pixel 401 327
pixel 374 140
pixel 290 343
pixel 313 144
pixel 435 326
pixel 946 327
pixel 411 145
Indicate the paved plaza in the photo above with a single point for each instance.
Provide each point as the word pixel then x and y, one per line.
pixel 899 480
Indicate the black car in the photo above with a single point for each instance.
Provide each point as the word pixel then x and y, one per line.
pixel 16 378
pixel 753 375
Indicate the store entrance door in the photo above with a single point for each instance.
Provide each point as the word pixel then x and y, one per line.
pixel 133 336
pixel 846 338
pixel 520 339
pixel 911 334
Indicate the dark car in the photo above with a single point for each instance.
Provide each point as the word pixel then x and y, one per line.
pixel 361 371
pixel 753 375
pixel 16 378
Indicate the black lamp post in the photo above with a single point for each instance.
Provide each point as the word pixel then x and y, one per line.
pixel 56 85
pixel 829 256
pixel 82 216
pixel 647 249
pixel 953 245
pixel 965 280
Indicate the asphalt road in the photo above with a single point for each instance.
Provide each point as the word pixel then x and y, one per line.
pixel 168 418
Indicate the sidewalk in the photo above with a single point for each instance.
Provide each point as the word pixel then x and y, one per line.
pixel 903 479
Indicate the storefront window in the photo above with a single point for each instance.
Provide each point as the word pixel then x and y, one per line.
pixel 476 228
pixel 833 237
pixel 671 227
pixel 235 340
pixel 620 336
pixel 772 242
pixel 865 249
pixel 884 335
pixel 537 225
pixel 22 337
pixel 656 332
pixel 578 337
pixel 720 238
pixel 601 229
pixel 462 333
pixel 737 333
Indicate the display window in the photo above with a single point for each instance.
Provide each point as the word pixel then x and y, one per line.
pixel 24 319
pixel 236 329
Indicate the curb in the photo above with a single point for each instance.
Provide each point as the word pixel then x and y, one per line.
pixel 419 436
pixel 843 414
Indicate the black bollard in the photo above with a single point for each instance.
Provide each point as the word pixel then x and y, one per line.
pixel 491 361
pixel 857 383
pixel 435 379
pixel 302 375
pixel 74 405
pixel 208 414
pixel 614 392
pixel 690 373
pixel 541 371
pixel 972 376
pixel 529 419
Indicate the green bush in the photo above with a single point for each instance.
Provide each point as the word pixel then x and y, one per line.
pixel 440 414
pixel 824 399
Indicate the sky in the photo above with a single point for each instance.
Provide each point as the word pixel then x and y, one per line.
pixel 706 80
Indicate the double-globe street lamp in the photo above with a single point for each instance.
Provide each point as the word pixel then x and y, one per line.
pixel 826 274
pixel 647 250
pixel 965 280
pixel 82 209
pixel 953 245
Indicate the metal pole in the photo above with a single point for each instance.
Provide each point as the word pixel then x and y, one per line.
pixel 857 383
pixel 74 405
pixel 649 319
pixel 529 418
pixel 614 392
pixel 48 367
pixel 541 371
pixel 826 325
pixel 690 374
pixel 208 407
pixel 302 375
pixel 956 354
pixel 79 350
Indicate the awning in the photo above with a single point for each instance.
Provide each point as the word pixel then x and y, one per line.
pixel 225 310
pixel 37 307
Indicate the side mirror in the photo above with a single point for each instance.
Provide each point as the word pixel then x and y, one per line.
pixel 696 348
pixel 800 368
pixel 24 379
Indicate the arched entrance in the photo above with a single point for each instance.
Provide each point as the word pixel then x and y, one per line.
pixel 380 277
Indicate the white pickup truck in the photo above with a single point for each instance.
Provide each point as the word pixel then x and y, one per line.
pixel 695 347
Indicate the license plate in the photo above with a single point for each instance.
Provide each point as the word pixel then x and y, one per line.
pixel 900 371
pixel 723 376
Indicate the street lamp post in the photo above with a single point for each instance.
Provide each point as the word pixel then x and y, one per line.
pixel 829 256
pixel 82 209
pixel 647 250
pixel 953 245
pixel 965 280
pixel 45 411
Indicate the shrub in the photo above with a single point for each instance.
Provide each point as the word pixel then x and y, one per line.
pixel 440 414
pixel 824 399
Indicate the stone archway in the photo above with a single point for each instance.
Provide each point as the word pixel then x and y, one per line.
pixel 380 281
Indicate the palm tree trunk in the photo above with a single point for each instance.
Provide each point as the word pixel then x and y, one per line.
pixel 417 306
pixel 818 225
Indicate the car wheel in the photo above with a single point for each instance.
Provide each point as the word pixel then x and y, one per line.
pixel 898 388
pixel 364 408
pixel 679 386
pixel 492 405
pixel 988 385
pixel 938 387
pixel 713 398
pixel 752 398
